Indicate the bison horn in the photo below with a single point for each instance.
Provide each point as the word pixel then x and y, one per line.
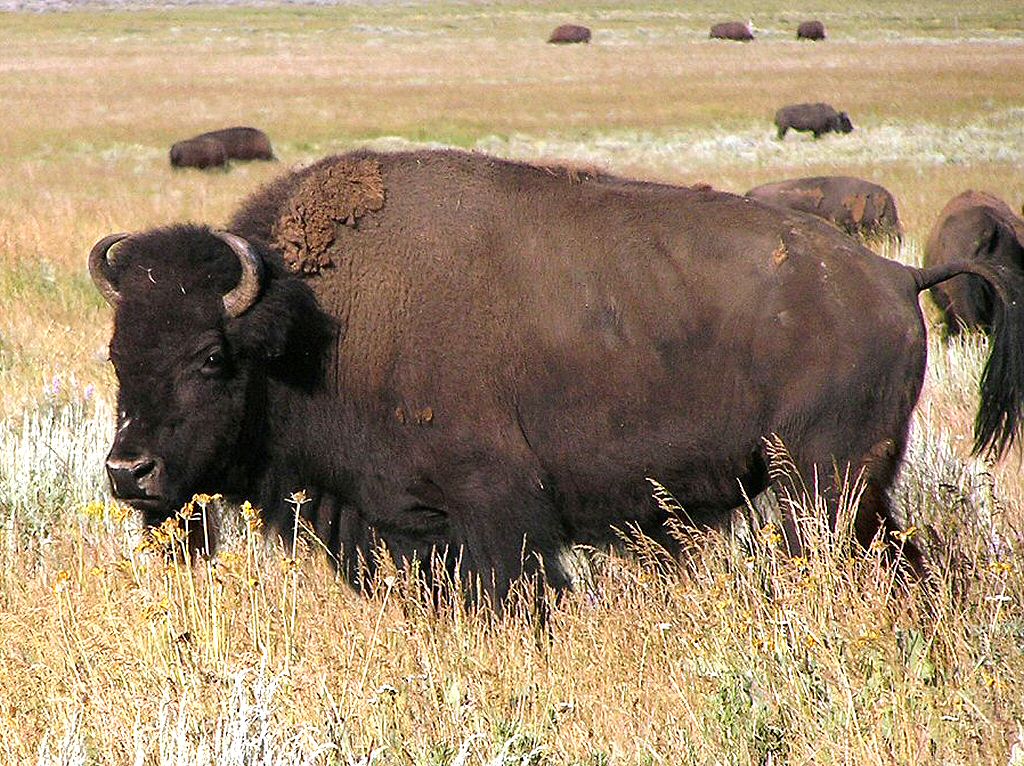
pixel 244 294
pixel 99 263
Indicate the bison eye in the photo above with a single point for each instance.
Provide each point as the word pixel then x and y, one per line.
pixel 215 364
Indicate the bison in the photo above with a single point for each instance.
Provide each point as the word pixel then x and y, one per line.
pixel 242 143
pixel 478 362
pixel 810 30
pixel 570 33
pixel 814 118
pixel 733 30
pixel 199 153
pixel 973 225
pixel 860 208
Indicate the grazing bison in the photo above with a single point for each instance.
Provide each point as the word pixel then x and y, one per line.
pixel 860 208
pixel 810 30
pixel 814 118
pixel 483 360
pixel 198 153
pixel 733 30
pixel 973 226
pixel 242 143
pixel 570 33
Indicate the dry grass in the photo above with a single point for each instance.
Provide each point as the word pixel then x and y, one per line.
pixel 109 654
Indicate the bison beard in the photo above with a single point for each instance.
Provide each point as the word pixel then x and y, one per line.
pixel 499 355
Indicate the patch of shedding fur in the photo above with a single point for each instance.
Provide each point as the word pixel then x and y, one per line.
pixel 857 204
pixel 575 173
pixel 338 194
pixel 780 254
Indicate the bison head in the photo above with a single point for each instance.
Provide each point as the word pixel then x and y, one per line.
pixel 843 123
pixel 199 325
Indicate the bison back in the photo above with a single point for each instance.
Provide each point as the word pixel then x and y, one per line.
pixel 973 225
pixel 570 33
pixel 810 30
pixel 732 30
pixel 858 207
pixel 199 153
pixel 479 300
pixel 242 143
pixel 816 116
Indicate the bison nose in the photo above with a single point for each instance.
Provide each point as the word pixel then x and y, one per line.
pixel 135 477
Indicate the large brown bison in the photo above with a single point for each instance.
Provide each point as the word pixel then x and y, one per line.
pixel 199 153
pixel 570 33
pixel 483 361
pixel 817 118
pixel 973 225
pixel 741 31
pixel 858 207
pixel 810 30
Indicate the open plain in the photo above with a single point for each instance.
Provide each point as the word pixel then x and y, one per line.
pixel 113 652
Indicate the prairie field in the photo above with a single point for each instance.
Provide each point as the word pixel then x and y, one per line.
pixel 113 650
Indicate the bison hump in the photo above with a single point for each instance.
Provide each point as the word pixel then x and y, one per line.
pixel 336 193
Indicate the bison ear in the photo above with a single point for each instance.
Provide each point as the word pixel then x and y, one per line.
pixel 285 322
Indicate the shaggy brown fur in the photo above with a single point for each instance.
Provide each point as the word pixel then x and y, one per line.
pixel 570 33
pixel 242 143
pixel 335 194
pixel 501 358
pixel 741 31
pixel 810 30
pixel 973 225
pixel 199 153
pixel 817 118
pixel 860 208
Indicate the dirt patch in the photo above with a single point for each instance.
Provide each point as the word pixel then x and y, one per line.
pixel 336 194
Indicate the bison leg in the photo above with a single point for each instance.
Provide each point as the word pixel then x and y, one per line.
pixel 829 477
pixel 875 511
pixel 782 132
pixel 506 529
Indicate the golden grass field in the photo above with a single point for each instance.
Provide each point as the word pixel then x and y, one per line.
pixel 112 653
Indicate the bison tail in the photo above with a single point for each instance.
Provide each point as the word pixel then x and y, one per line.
pixel 1000 416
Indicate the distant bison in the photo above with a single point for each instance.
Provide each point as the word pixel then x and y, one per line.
pixel 481 361
pixel 974 225
pixel 860 208
pixel 570 33
pixel 243 143
pixel 199 153
pixel 733 30
pixel 810 30
pixel 813 118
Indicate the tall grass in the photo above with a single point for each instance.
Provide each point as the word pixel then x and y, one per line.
pixel 115 650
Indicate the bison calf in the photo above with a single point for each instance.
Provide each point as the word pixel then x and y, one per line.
pixel 812 118
pixel 199 153
pixel 810 30
pixel 733 30
pixel 570 33
pixel 973 226
pixel 860 208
